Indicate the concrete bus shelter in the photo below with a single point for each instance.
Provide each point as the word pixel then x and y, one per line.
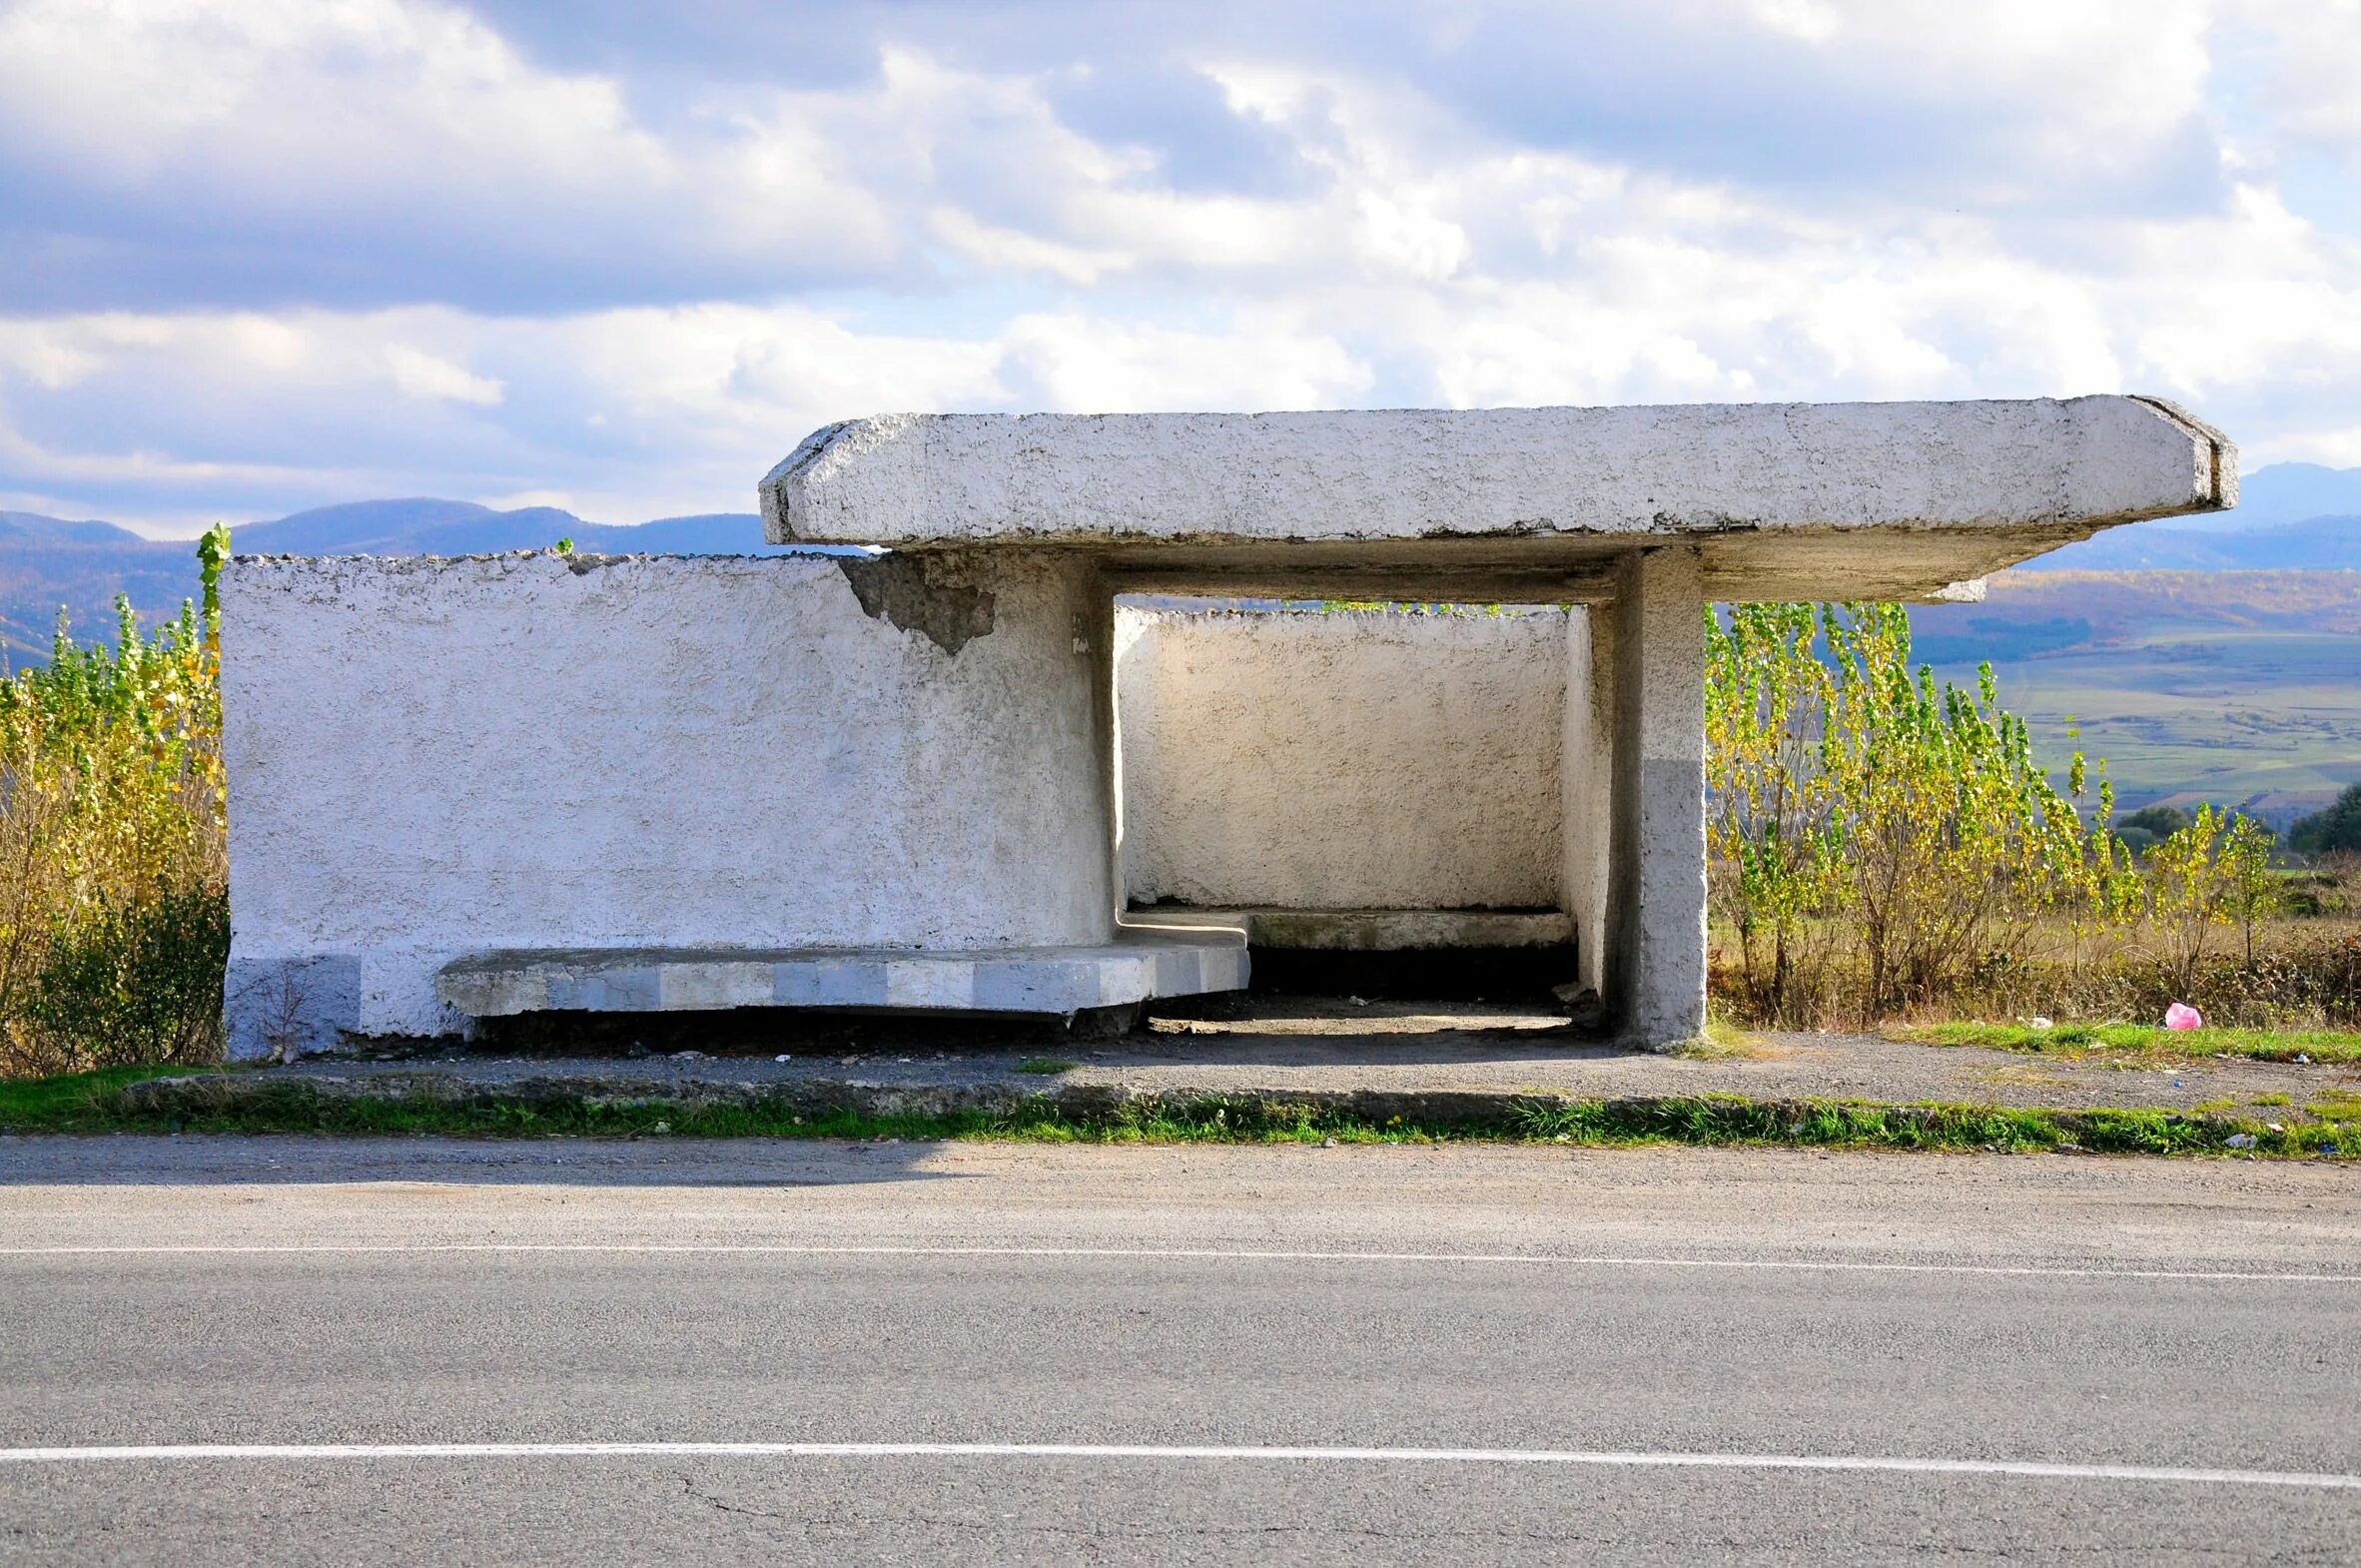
pixel 944 773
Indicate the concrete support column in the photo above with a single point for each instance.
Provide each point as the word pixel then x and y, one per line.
pixel 1656 885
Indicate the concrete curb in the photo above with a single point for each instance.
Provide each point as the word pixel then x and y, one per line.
pixel 220 1092
pixel 1473 1111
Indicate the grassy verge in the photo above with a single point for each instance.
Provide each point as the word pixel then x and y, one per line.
pixel 2139 1039
pixel 65 1105
pixel 97 1102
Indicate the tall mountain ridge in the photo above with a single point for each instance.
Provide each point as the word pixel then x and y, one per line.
pixel 2214 657
pixel 2291 516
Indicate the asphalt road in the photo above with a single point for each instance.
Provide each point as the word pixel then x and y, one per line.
pixel 415 1352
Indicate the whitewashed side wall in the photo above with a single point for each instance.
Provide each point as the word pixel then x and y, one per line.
pixel 433 758
pixel 1341 760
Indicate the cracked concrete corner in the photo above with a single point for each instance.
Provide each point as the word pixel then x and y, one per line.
pixel 938 599
pixel 777 526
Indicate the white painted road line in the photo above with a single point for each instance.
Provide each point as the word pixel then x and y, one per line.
pixel 2027 1469
pixel 1528 1260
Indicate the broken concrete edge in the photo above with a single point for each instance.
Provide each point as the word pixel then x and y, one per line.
pixel 937 596
pixel 311 1101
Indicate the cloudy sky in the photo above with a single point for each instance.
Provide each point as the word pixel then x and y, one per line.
pixel 260 254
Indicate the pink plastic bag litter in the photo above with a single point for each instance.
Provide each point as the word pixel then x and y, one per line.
pixel 2182 1016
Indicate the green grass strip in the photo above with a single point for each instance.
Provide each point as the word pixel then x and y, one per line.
pixel 63 1105
pixel 97 1102
pixel 2073 1040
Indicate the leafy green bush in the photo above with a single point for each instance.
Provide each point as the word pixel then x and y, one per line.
pixel 135 982
pixel 2334 830
pixel 2149 824
pixel 113 860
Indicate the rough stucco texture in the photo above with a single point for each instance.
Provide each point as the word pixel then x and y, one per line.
pixel 1418 473
pixel 430 758
pixel 1345 760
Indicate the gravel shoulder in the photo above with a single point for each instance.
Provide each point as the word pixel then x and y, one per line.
pixel 1274 1046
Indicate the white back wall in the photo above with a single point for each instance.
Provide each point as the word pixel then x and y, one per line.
pixel 1344 759
pixel 430 758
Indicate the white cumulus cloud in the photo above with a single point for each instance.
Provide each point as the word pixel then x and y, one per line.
pixel 287 252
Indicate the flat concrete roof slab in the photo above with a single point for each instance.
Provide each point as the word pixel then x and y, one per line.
pixel 2032 473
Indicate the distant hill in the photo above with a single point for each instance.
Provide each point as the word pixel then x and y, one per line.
pixel 2240 687
pixel 46 562
pixel 2314 545
pixel 439 528
pixel 2290 516
pixel 2279 493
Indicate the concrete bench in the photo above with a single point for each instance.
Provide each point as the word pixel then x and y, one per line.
pixel 1040 982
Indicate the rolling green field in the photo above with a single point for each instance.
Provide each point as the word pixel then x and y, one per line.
pixel 2240 687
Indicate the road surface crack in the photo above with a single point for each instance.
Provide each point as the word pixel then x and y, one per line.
pixel 688 1484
